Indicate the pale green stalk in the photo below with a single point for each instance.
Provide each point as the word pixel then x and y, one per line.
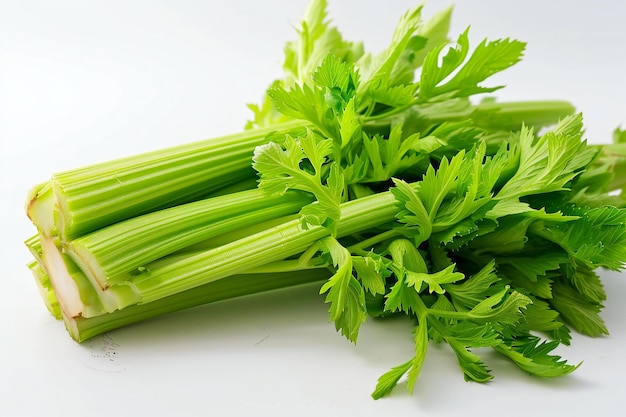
pixel 108 255
pixel 45 289
pixel 488 114
pixel 82 328
pixel 273 244
pixel 82 200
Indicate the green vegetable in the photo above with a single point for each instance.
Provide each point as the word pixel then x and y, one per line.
pixel 379 176
pixel 82 200
pixel 111 254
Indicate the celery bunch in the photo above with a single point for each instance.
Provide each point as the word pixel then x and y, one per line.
pixel 377 176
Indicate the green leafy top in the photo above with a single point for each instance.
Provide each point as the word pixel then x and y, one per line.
pixel 341 98
pixel 491 243
pixel 460 76
pixel 316 39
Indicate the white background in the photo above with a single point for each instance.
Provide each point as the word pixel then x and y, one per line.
pixel 85 81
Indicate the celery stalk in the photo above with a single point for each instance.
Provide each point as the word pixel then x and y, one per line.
pixel 76 293
pixel 33 244
pixel 89 198
pixel 489 114
pixel 45 289
pixel 108 255
pixel 81 328
pixel 56 264
pixel 273 244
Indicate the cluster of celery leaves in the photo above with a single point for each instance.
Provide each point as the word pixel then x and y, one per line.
pixel 497 228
